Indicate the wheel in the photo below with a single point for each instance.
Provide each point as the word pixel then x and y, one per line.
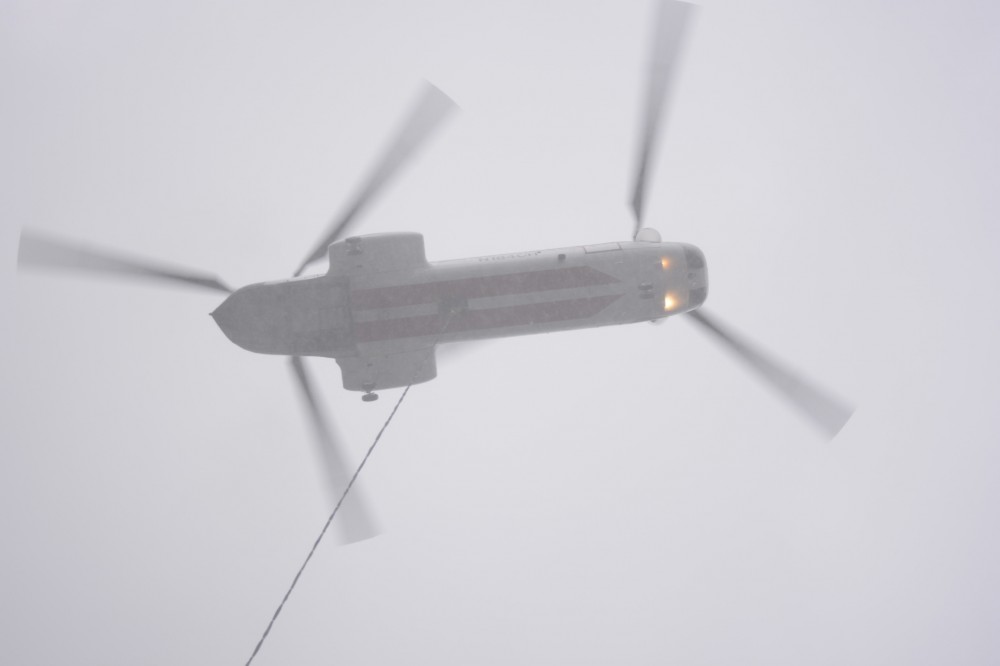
pixel 370 397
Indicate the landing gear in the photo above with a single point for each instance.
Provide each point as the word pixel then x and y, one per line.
pixel 369 396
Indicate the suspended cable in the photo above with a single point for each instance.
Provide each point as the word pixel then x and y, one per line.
pixel 326 526
pixel 343 496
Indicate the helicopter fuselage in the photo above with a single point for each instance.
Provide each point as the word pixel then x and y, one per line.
pixel 382 308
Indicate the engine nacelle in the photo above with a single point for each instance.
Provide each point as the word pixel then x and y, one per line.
pixel 377 253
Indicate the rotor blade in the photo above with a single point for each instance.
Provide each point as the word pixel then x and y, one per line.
pixel 430 110
pixel 824 411
pixel 39 251
pixel 671 24
pixel 354 517
pixel 449 351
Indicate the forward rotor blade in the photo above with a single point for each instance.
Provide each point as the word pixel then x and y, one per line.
pixel 425 117
pixel 39 251
pixel 353 516
pixel 824 411
pixel 671 25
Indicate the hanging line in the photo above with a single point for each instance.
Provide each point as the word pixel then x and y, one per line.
pixel 326 526
pixel 343 495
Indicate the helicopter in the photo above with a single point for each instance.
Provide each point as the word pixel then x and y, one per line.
pixel 381 310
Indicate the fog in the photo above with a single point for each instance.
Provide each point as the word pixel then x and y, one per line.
pixel 618 495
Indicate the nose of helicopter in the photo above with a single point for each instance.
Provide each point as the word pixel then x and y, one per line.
pixel 250 319
pixel 305 317
pixel 230 316
pixel 697 275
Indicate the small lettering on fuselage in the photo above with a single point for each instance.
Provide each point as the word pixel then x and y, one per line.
pixel 505 257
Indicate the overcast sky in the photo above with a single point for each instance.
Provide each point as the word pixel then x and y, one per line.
pixel 621 495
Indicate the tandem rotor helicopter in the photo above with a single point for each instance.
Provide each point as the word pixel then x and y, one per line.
pixel 381 309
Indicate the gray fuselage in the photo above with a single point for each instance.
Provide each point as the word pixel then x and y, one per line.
pixel 381 298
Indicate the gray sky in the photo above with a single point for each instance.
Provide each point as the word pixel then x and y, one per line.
pixel 624 495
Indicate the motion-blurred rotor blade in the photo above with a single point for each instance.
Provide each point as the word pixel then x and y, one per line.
pixel 430 110
pixel 353 516
pixel 450 351
pixel 39 251
pixel 671 24
pixel 827 413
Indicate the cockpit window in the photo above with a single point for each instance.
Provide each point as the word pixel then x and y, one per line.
pixel 694 258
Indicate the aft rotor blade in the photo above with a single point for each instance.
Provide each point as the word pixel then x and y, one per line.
pixel 671 25
pixel 353 516
pixel 824 411
pixel 41 251
pixel 432 107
